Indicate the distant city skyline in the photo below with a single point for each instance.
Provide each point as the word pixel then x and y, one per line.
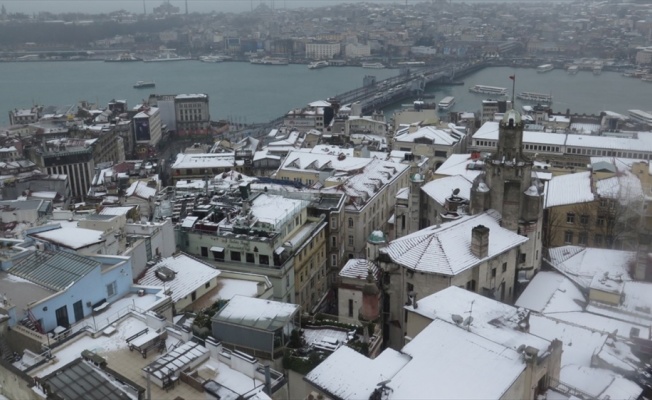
pixel 202 6
pixel 136 6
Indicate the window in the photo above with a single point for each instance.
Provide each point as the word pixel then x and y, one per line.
pixel 250 258
pixel 350 240
pixel 333 222
pixel 568 237
pixel 236 256
pixel 350 222
pixel 505 266
pixel 207 285
pixel 493 272
pixel 218 255
pixel 204 251
pixel 333 241
pixel 521 258
pixel 470 285
pixel 537 255
pixel 584 219
pixel 262 259
pixel 334 260
pixel 112 289
pixel 583 238
pixel 350 308
pixel 600 220
pixel 570 218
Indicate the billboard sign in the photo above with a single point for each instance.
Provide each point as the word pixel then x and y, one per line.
pixel 142 130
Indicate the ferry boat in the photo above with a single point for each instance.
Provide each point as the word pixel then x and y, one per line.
pixel 535 97
pixel 124 57
pixel 269 61
pixel 144 84
pixel 573 69
pixel 167 56
pixel 318 65
pixel 211 59
pixel 545 68
pixel 446 103
pixel 373 65
pixel 492 90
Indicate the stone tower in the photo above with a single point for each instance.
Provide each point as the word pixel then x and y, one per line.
pixel 507 186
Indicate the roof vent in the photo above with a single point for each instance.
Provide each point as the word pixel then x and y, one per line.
pixel 165 274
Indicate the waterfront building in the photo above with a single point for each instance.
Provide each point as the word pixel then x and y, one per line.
pixel 568 149
pixel 357 50
pixel 316 115
pixel 192 114
pixel 147 127
pixel 24 116
pixel 322 50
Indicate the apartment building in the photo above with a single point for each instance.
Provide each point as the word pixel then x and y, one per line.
pixel 192 114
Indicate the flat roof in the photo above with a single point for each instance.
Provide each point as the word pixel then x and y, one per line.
pixel 256 313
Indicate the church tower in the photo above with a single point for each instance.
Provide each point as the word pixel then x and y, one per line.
pixel 507 186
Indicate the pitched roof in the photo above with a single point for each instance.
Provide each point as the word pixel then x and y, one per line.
pixel 569 189
pixel 446 249
pixel 358 269
pixel 55 271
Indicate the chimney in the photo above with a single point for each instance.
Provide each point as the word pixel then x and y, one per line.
pixel 480 241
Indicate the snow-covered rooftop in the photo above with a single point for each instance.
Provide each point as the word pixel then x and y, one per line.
pixel 205 160
pixel 439 137
pixel 190 274
pixel 358 269
pixel 256 313
pixel 140 189
pixel 569 189
pixel 463 165
pixel 582 264
pixel 71 237
pixel 347 374
pixel 440 189
pixel 316 161
pixel 446 249
pixel 493 320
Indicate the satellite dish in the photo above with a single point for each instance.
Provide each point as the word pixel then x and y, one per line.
pixel 521 348
pixel 456 191
pixel 457 319
pixel 468 321
pixel 383 383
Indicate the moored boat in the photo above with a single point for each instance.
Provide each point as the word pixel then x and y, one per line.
pixel 446 103
pixel 318 65
pixel 545 68
pixel 373 65
pixel 492 90
pixel 124 57
pixel 535 97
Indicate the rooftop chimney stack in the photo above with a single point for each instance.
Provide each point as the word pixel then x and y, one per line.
pixel 480 241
